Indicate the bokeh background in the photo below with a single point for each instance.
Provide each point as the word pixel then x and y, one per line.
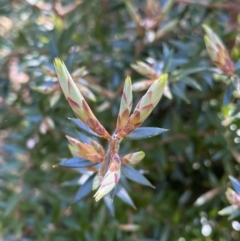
pixel 189 165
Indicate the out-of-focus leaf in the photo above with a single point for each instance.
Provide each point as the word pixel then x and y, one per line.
pixel 129 227
pixel 166 28
pixel 76 162
pixel 54 98
pixel 191 82
pixel 53 49
pixel 235 184
pixel 145 132
pixel 124 196
pixel 83 127
pixel 84 190
pixel 206 197
pixel 109 203
pixel 179 74
pixel 135 176
pixel 228 95
pixel 179 92
pixel 184 197
pixel 165 234
pixel 12 203
pixel 227 210
pixel 234 214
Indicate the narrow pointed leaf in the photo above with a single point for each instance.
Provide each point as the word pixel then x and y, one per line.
pixel 132 11
pixel 145 132
pixel 192 83
pixel 84 190
pixel 227 210
pixel 83 126
pixel 124 196
pixel 235 184
pixel 180 93
pixel 235 214
pixel 135 176
pixel 228 95
pixel 76 162
pixel 109 203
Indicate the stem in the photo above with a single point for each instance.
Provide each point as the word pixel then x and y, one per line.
pixel 114 143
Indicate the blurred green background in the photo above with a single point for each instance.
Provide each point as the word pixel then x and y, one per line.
pixel 189 165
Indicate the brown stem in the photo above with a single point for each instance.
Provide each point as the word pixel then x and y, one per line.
pixel 113 148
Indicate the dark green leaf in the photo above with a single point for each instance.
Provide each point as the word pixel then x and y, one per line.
pixel 234 214
pixel 191 82
pixel 124 196
pixel 83 126
pixel 76 162
pixel 53 49
pixel 109 203
pixel 12 203
pixel 145 132
pixel 228 95
pixel 84 190
pixel 235 184
pixel 135 176
pixel 180 93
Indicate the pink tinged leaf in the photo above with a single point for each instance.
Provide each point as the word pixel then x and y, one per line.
pixel 96 126
pixel 142 85
pixel 69 85
pixel 72 140
pixel 126 104
pixel 116 178
pixel 86 92
pixel 217 51
pixel 94 157
pixel 69 88
pixel 93 123
pixel 146 104
pixel 73 103
pixel 110 179
pixel 144 69
pixel 233 197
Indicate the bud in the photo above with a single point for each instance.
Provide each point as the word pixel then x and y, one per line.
pixel 218 52
pixel 145 106
pixel 233 197
pixel 144 69
pixel 126 104
pixel 76 100
pixel 110 179
pixel 85 151
pixel 133 158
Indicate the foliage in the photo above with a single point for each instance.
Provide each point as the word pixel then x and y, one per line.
pixel 102 42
